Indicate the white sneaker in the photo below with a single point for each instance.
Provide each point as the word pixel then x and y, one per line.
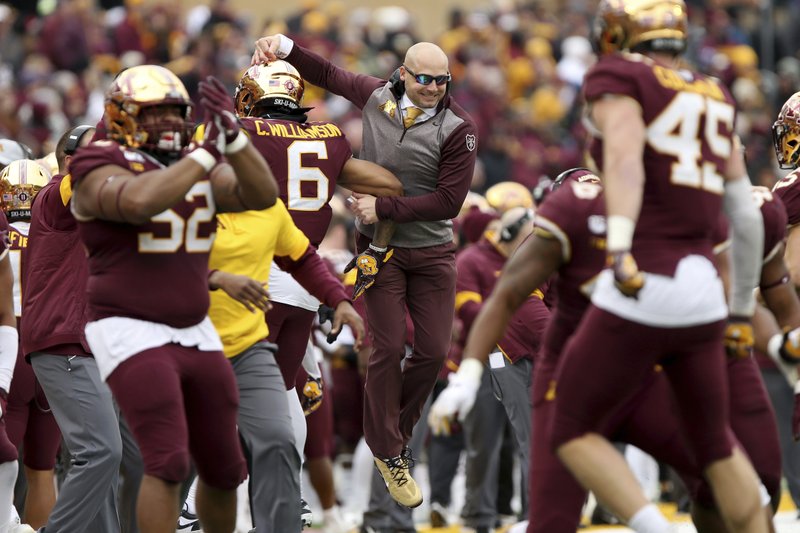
pixel 188 522
pixel 335 521
pixel 21 528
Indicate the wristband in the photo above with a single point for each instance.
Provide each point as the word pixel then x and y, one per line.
pixel 376 249
pixel 238 144
pixel 619 237
pixel 203 157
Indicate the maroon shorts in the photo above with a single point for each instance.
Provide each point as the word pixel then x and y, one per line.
pixel 347 399
pixel 29 421
pixel 319 423
pixel 607 361
pixel 290 329
pixel 181 402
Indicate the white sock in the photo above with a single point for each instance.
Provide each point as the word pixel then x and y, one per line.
pixel 299 427
pixel 649 519
pixel 8 477
pixel 298 421
pixel 190 498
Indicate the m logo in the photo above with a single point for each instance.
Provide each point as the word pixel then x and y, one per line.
pixel 470 142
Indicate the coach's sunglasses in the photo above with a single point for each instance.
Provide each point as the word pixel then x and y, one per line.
pixel 426 79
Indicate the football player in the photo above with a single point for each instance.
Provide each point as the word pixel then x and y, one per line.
pixel 569 239
pixel 308 160
pixel 510 366
pixel 29 420
pixel 145 200
pixel 19 181
pixel 781 381
pixel 670 162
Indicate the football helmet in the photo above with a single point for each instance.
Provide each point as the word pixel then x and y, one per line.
pixel 658 25
pixel 507 194
pixel 786 133
pixel 474 200
pixel 19 183
pixel 138 89
pixel 579 174
pixel 276 84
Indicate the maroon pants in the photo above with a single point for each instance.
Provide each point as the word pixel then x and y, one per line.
pixel 422 281
pixel 609 358
pixel 29 421
pixel 290 329
pixel 649 421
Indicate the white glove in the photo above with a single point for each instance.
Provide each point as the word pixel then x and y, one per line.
pixel 457 398
pixel 774 347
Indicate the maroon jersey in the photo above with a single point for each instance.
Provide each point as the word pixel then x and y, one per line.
pixel 478 267
pixel 306 159
pixel 774 215
pixel 156 271
pixel 575 215
pixel 689 137
pixel 788 190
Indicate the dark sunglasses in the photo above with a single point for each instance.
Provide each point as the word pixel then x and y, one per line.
pixel 426 79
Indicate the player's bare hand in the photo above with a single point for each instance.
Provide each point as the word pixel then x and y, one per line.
pixel 266 49
pixel 346 314
pixel 363 207
pixel 250 293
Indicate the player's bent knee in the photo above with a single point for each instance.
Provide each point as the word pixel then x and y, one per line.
pixel 224 477
pixel 172 468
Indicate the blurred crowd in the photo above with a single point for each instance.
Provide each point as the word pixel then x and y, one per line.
pixel 517 65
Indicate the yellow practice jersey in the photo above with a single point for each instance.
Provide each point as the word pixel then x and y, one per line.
pixel 245 244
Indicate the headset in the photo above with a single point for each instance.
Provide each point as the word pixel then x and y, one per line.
pixel 561 178
pixel 510 232
pixel 74 138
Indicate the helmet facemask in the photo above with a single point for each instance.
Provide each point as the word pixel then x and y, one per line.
pixel 786 133
pixel 139 92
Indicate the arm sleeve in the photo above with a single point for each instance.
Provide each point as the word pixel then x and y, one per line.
pixel 747 245
pixel 317 70
pixel 456 165
pixel 468 292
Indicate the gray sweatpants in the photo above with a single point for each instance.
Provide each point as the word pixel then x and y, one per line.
pixel 512 385
pixel 483 437
pixel 266 432
pixel 85 413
